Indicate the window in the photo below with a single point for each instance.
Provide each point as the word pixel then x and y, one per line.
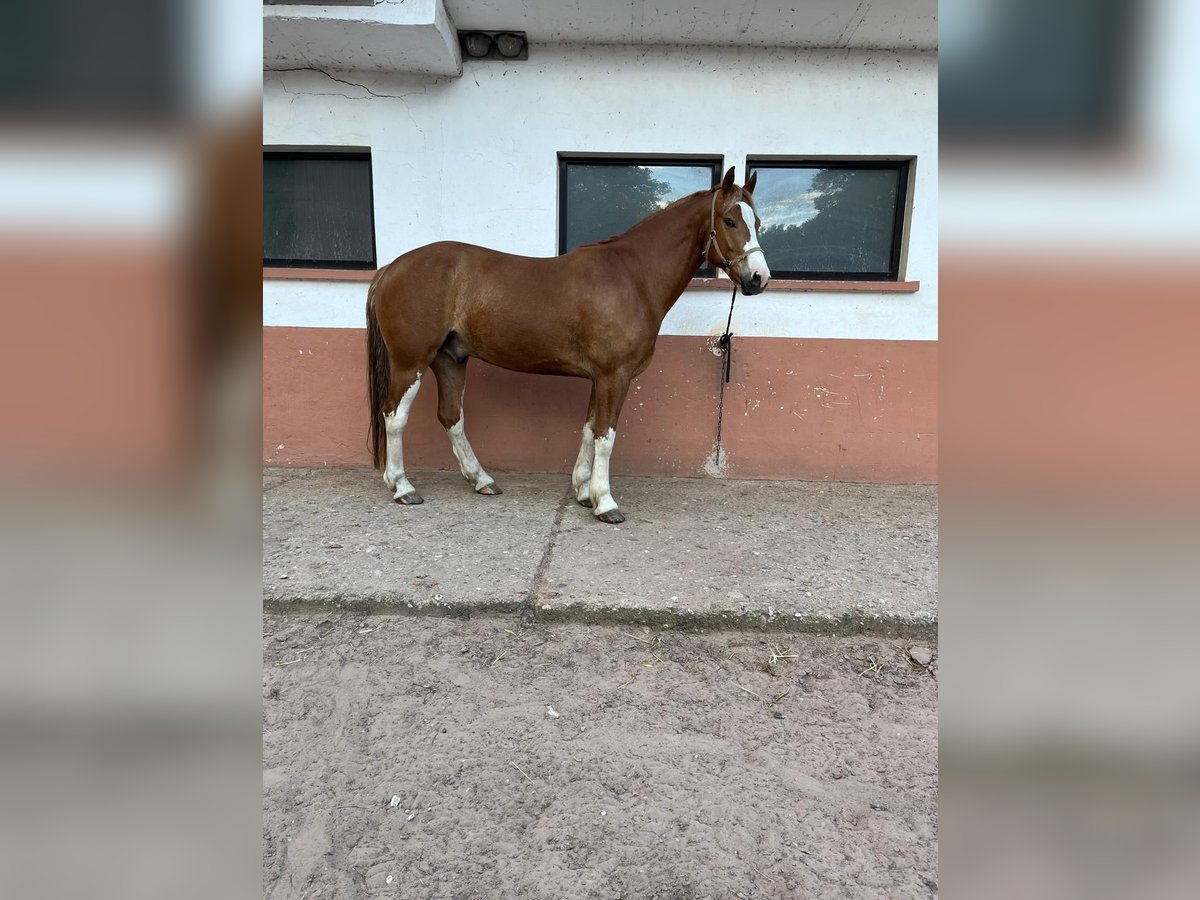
pixel 599 198
pixel 1031 72
pixel 107 64
pixel 831 220
pixel 317 210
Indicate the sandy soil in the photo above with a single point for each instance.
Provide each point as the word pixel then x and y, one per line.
pixel 662 775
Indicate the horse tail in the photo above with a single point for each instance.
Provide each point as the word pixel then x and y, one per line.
pixel 379 375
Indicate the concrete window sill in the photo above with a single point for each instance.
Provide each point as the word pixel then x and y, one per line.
pixel 781 284
pixel 721 284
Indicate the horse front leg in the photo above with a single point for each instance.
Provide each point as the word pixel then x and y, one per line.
pixel 581 475
pixel 610 395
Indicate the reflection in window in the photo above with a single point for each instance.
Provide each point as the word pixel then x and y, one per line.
pixel 602 198
pixel 831 220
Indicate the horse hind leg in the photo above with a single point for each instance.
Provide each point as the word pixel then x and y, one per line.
pixel 401 394
pixel 452 379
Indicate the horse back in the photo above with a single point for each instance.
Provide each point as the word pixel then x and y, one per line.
pixel 567 314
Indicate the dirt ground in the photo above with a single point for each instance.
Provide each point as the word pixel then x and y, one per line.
pixel 417 757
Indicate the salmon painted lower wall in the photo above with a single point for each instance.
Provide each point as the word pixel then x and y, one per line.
pixel 807 409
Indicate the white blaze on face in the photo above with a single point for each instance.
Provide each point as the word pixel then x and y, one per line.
pixel 756 263
pixel 602 499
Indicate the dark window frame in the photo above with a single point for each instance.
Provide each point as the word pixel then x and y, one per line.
pixel 904 169
pixel 714 162
pixel 355 155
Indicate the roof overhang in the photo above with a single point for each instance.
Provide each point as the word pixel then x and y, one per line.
pixel 414 36
pixel 419 36
pixel 812 24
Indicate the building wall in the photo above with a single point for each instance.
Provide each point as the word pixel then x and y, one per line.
pixel 827 385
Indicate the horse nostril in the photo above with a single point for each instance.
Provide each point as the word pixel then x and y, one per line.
pixel 756 279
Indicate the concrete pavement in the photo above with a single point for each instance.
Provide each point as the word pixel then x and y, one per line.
pixel 838 558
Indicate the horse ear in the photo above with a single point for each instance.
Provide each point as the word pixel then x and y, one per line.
pixel 751 182
pixel 727 183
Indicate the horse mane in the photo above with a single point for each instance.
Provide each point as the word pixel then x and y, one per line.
pixel 653 215
pixel 749 198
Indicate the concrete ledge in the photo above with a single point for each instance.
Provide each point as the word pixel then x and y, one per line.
pixel 413 37
pixel 600 614
pixel 694 553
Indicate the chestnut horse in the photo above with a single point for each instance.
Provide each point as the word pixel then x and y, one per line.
pixel 592 313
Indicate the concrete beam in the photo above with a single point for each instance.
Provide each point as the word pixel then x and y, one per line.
pixel 414 37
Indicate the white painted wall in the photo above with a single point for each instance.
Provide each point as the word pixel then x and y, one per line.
pixel 475 158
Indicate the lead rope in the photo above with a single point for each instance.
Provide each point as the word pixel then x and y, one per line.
pixel 726 344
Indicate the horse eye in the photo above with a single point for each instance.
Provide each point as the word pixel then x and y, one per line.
pixel 729 223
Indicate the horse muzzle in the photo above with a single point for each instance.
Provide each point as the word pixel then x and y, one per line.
pixel 754 280
pixel 751 272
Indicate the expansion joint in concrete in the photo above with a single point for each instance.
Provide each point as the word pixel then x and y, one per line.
pixel 528 609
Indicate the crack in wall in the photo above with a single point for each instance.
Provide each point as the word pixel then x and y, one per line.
pixel 371 93
pixel 852 26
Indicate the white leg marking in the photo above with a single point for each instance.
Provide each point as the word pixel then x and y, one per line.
pixel 602 499
pixel 582 475
pixel 467 463
pixel 756 262
pixel 394 422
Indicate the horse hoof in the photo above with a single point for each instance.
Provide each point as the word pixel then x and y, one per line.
pixel 585 502
pixel 612 517
pixel 491 489
pixel 412 498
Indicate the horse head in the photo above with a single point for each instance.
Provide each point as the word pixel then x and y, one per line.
pixel 733 235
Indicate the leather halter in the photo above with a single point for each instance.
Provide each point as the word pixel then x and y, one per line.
pixel 725 264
